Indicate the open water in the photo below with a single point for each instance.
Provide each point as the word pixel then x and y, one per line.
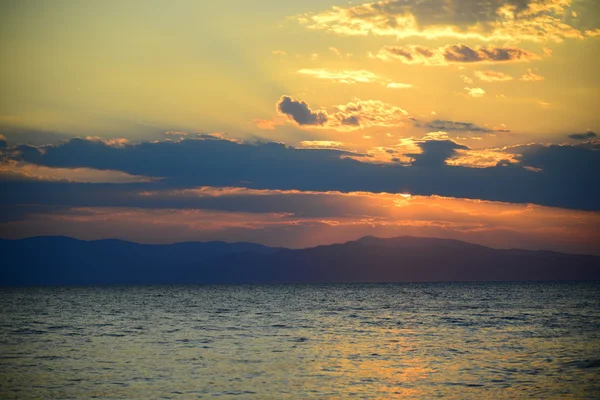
pixel 422 341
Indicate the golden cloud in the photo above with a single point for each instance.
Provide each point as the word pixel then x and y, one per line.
pixel 485 20
pixel 11 169
pixel 493 76
pixel 345 76
pixel 475 92
pixel 353 76
pixel 357 114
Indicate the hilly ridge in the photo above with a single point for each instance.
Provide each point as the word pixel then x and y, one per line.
pixel 67 261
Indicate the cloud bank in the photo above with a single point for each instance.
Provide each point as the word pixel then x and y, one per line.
pixel 552 175
pixel 484 20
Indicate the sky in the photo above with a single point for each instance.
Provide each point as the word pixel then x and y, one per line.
pixel 302 123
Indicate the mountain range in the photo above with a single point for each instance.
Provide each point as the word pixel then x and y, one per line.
pixel 57 260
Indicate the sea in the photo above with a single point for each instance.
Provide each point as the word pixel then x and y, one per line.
pixel 331 341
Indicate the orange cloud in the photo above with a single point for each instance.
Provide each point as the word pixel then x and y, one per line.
pixel 320 143
pixel 10 169
pixel 300 219
pixel 493 76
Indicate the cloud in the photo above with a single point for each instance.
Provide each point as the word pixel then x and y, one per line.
pixel 367 113
pixel 117 142
pixel 320 143
pixel 12 170
pixel 435 153
pixel 345 76
pixel 176 133
pixel 459 126
pixel 454 54
pixel 583 136
pixel 531 76
pixel 398 85
pixel 279 53
pixel 308 218
pixel 357 114
pixel 475 92
pixel 482 158
pixel 334 50
pixel 493 76
pixel 484 20
pixel 3 142
pixel 566 175
pixel 300 112
pixel 353 76
pixel 438 135
pixel 266 124
pixel 464 54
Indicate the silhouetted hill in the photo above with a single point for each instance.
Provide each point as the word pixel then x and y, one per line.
pixel 66 261
pixel 59 260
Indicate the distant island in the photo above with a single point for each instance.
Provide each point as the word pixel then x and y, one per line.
pixel 56 260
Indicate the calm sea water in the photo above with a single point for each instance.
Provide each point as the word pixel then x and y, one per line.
pixel 509 340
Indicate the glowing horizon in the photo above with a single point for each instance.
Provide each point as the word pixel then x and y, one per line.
pixel 475 101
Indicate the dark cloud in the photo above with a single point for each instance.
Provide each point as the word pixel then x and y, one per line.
pixel 424 51
pixel 464 54
pixel 577 162
pixel 562 176
pixel 583 136
pixel 351 120
pixel 300 112
pixel 403 52
pixel 435 153
pixel 14 135
pixel 452 126
pixel 461 13
pixel 454 54
pixel 456 126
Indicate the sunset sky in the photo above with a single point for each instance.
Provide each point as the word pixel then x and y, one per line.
pixel 302 123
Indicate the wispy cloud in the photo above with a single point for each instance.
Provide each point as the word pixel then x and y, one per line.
pixel 583 136
pixel 454 54
pixel 398 85
pixel 531 76
pixel 345 76
pixel 321 143
pixel 475 92
pixel 13 170
pixel 458 126
pixel 493 76
pixel 353 76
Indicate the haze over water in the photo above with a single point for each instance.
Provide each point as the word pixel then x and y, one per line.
pixel 459 340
